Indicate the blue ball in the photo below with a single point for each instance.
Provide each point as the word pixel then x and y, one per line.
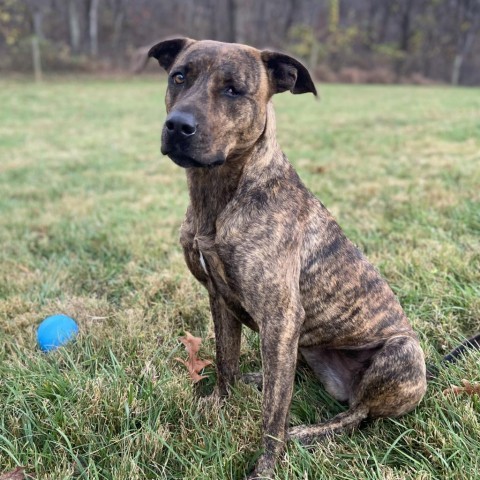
pixel 56 331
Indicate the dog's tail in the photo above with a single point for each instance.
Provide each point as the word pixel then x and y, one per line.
pixel 455 354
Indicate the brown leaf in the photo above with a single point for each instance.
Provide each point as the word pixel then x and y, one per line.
pixel 318 169
pixel 17 474
pixel 194 364
pixel 468 388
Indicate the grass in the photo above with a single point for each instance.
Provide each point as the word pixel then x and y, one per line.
pixel 89 219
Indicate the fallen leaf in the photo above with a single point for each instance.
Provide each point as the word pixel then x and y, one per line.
pixel 318 169
pixel 194 364
pixel 17 474
pixel 468 388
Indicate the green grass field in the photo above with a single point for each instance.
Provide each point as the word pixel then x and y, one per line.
pixel 89 219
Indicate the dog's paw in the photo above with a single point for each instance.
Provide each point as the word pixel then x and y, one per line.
pixel 253 378
pixel 219 395
pixel 310 435
pixel 265 474
pixel 263 469
pixel 259 476
pixel 214 400
pixel 301 434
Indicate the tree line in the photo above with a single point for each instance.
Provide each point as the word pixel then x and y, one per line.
pixel 340 40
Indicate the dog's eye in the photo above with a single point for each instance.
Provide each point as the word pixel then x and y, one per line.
pixel 178 78
pixel 232 92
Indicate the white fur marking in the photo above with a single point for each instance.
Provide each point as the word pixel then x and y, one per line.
pixel 202 263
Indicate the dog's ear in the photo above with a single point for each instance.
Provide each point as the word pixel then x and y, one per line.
pixel 286 73
pixel 167 51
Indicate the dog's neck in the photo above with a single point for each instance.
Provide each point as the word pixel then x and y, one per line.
pixel 211 189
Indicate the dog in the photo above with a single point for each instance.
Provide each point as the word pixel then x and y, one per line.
pixel 270 254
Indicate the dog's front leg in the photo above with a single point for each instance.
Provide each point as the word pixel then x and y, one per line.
pixel 279 347
pixel 228 331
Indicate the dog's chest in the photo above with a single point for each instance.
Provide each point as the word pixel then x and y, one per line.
pixel 210 260
pixel 203 264
pixel 205 260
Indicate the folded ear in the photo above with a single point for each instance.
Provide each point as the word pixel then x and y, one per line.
pixel 286 73
pixel 167 51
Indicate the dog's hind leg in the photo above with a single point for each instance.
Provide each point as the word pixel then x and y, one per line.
pixel 395 381
pixel 343 422
pixel 253 378
pixel 392 384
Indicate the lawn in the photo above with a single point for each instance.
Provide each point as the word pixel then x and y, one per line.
pixel 89 220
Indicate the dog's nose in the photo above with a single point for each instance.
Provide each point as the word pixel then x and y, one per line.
pixel 181 123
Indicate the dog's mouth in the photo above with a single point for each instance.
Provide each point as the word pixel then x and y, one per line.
pixel 183 153
pixel 184 160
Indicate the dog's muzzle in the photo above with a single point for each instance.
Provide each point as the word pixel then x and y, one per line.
pixel 178 139
pixel 180 125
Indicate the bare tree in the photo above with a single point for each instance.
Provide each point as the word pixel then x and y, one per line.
pixel 406 10
pixel 37 10
pixel 119 9
pixel 74 25
pixel 469 22
pixel 93 26
pixel 232 21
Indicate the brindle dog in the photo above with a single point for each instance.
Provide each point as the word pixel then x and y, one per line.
pixel 270 254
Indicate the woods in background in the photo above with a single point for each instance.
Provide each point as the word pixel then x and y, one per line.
pixel 378 41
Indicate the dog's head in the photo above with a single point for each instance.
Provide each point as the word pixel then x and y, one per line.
pixel 217 97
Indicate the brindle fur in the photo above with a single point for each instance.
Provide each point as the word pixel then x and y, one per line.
pixel 275 259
